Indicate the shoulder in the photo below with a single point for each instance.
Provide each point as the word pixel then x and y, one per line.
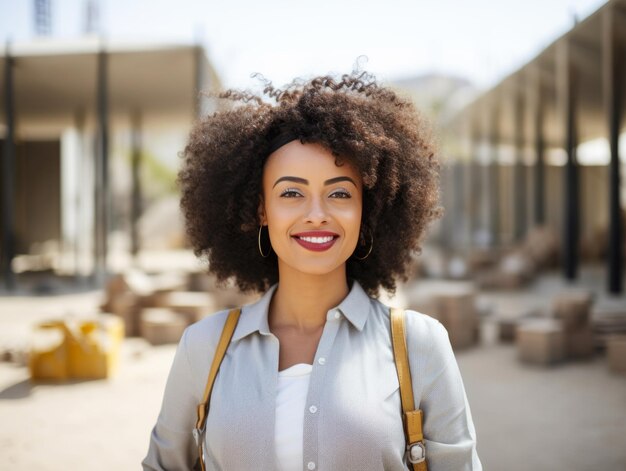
pixel 427 339
pixel 429 332
pixel 419 327
pixel 199 341
pixel 425 336
pixel 428 343
pixel 206 331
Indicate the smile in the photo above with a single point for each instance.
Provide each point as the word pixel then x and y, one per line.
pixel 317 242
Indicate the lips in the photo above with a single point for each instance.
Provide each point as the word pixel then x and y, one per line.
pixel 316 241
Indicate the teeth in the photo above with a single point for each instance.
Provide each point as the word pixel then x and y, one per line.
pixel 317 240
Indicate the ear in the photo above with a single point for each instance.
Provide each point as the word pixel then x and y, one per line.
pixel 261 212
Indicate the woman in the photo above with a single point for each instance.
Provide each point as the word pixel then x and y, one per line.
pixel 318 201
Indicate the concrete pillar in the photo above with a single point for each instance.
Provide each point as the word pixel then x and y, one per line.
pixel 447 228
pixel 473 185
pixel 136 201
pixel 612 89
pixel 199 81
pixel 7 250
pixel 83 203
pixel 460 208
pixel 536 94
pixel 102 194
pixel 519 169
pixel 483 181
pixel 565 88
pixel 494 173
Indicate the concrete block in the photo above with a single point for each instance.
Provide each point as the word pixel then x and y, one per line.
pixel 579 343
pixel 200 281
pixel 160 326
pixel 456 310
pixel 540 341
pixel 573 308
pixel 194 305
pixel 616 353
pixel 506 329
pixel 127 305
pixel 231 297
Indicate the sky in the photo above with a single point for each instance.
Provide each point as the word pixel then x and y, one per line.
pixel 481 40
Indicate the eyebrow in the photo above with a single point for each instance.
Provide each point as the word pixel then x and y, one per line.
pixel 304 181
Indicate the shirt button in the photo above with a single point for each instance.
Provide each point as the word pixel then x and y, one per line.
pixel 310 465
pixel 312 409
pixel 322 361
pixel 337 315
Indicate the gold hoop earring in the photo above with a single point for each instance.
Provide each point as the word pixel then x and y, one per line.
pixel 259 240
pixel 369 251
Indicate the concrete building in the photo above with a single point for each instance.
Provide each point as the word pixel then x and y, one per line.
pixel 65 106
pixel 543 147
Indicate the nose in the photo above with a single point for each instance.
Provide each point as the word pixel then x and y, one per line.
pixel 317 213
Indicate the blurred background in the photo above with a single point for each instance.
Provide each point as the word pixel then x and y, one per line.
pixel 525 269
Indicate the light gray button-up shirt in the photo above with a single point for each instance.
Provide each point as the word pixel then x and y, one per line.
pixel 353 413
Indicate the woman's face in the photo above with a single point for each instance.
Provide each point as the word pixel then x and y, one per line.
pixel 312 208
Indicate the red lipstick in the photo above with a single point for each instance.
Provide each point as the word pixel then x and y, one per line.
pixel 317 241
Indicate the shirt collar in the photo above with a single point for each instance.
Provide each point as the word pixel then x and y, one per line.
pixel 355 307
pixel 254 316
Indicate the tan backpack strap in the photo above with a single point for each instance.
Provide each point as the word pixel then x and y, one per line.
pixel 227 334
pixel 416 451
pixel 220 351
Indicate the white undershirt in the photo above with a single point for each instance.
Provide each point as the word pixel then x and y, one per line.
pixel 291 392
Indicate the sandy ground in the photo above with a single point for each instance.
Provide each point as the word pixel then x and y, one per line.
pixel 567 417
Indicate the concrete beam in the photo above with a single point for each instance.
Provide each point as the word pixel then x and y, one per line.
pixel 619 23
pixel 585 56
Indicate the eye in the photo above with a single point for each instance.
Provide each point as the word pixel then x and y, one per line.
pixel 290 193
pixel 342 193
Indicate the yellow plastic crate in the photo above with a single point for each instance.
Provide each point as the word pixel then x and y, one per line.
pixel 89 349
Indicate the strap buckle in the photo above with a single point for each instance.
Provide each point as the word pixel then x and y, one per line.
pixel 416 452
pixel 197 435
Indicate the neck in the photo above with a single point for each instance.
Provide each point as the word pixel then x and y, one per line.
pixel 302 300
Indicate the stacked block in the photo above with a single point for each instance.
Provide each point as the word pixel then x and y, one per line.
pixel 540 341
pixel 161 326
pixel 193 305
pixel 573 309
pixel 616 353
pixel 455 308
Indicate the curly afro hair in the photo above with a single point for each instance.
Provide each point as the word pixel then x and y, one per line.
pixel 356 119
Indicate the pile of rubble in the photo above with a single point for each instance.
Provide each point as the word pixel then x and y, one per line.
pixel 517 266
pixel 159 307
pixel 571 329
